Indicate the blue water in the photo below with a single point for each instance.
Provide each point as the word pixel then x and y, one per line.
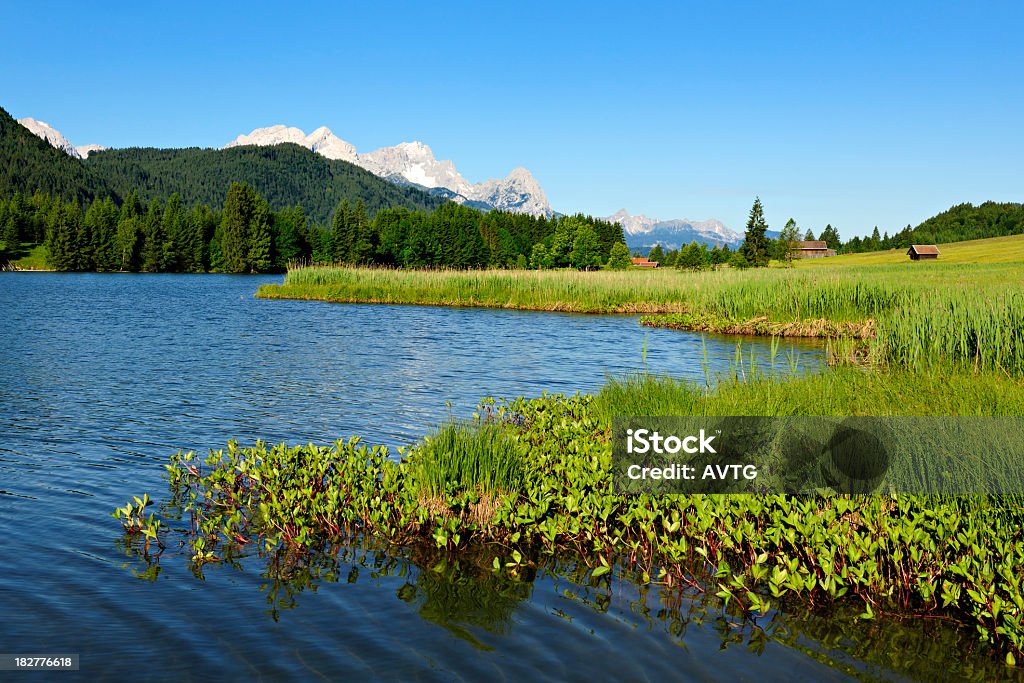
pixel 103 376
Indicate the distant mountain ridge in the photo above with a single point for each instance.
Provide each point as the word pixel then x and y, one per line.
pixel 643 232
pixel 414 163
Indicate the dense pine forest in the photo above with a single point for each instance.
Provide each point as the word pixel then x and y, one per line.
pixel 244 235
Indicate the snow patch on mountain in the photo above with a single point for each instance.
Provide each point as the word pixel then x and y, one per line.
pixel 414 163
pixel 85 150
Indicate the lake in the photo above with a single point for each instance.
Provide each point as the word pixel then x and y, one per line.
pixel 103 376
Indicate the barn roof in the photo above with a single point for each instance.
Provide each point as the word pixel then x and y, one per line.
pixel 924 249
pixel 812 244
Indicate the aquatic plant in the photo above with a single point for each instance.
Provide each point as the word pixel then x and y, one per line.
pixel 953 558
pixel 135 522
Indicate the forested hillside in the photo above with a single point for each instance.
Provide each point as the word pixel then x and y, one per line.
pixel 28 164
pixel 957 224
pixel 284 175
pixel 969 222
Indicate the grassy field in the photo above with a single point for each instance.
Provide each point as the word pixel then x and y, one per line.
pixel 33 259
pixel 993 250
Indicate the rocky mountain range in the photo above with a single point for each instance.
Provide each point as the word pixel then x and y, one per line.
pixel 414 163
pixel 642 232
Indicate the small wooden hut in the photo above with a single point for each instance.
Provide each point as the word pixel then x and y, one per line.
pixel 812 249
pixel 923 252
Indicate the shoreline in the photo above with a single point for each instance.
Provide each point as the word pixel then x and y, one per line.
pixel 761 326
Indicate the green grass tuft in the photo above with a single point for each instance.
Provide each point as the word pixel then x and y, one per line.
pixel 459 457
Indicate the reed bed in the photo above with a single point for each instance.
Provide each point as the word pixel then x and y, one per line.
pixel 969 315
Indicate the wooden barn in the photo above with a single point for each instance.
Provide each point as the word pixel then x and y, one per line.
pixel 923 252
pixel 642 262
pixel 812 249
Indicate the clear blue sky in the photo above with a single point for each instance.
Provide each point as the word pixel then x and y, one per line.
pixel 851 113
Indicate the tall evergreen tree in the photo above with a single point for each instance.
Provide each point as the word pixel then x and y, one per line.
pixel 259 258
pixel 64 228
pixel 831 237
pixel 129 234
pixel 288 225
pixel 342 233
pixel 153 240
pixel 876 240
pixel 364 245
pixel 754 249
pixel 239 207
pixel 175 235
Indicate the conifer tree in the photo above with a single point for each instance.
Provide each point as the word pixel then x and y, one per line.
pixel 62 236
pixel 175 237
pixel 239 208
pixel 153 254
pixel 129 234
pixel 342 233
pixel 831 237
pixel 754 249
pixel 259 258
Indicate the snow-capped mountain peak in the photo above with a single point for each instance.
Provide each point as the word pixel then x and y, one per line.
pixel 519 192
pixel 321 140
pixel 50 134
pixel 271 135
pixel 413 163
pixel 56 138
pixel 633 225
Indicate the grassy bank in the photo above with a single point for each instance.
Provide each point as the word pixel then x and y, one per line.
pixel 30 258
pixel 932 316
pixel 762 326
